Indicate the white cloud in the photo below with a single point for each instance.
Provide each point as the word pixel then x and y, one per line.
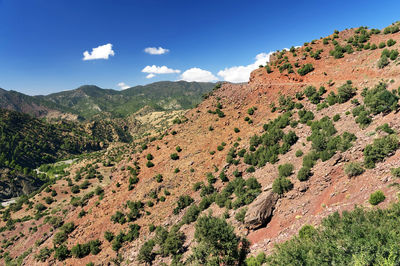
pixel 242 73
pixel 198 74
pixel 151 75
pixel 159 70
pixel 100 52
pixel 123 86
pixel 156 51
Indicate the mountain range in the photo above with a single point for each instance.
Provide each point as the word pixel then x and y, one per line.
pixel 90 102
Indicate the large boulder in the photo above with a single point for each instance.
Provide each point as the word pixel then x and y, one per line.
pixel 260 211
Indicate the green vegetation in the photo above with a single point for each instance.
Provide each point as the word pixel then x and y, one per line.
pixel 182 203
pixel 376 197
pixel 281 185
pixel 341 240
pixel 379 150
pixel 305 69
pixel 217 243
pixel 353 169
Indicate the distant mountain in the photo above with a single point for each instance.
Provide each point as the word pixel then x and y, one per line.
pixel 89 101
pixel 16 101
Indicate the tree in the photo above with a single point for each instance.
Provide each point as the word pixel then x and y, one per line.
pixel 146 254
pixel 285 170
pixel 61 253
pixel 353 169
pixel 217 242
pixel 281 185
pixel 376 197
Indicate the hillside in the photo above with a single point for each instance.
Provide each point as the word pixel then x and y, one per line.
pixel 313 133
pixel 90 102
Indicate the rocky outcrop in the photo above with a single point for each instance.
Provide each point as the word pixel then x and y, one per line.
pixel 260 211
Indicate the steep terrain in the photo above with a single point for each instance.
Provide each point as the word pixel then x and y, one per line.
pixel 315 131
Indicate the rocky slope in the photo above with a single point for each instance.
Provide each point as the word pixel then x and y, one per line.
pixel 210 141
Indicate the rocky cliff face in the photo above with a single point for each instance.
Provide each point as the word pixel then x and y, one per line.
pixel 211 140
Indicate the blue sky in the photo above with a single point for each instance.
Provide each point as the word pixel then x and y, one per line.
pixel 42 41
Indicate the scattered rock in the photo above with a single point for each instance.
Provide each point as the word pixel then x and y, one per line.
pixel 260 211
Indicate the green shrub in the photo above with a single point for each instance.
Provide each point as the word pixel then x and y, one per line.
pixel 391 42
pixel 341 240
pixel 376 197
pixel 346 92
pixel 285 170
pixel 304 173
pixel 191 214
pixel 336 118
pixel 379 150
pixel 281 185
pixel 43 254
pixel 240 215
pixel 259 260
pixel 149 157
pixel 353 169
pixel 109 236
pixel 380 100
pixel 383 61
pixel 395 172
pixel 217 243
pixel 299 153
pixel 158 178
pixel 146 254
pixel 118 217
pixel 182 203
pixel 305 69
pixel 237 130
pixel 61 253
pixel 174 156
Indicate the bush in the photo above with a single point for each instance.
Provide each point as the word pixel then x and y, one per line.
pixel 149 164
pixel 304 173
pixel 259 260
pixel 62 253
pixel 217 243
pixel 305 69
pixel 380 100
pixel 43 255
pixel 285 170
pixel 353 169
pixel 174 156
pixel 346 92
pixel 80 250
pixel 182 203
pixel 336 118
pixel 380 149
pixel 237 130
pixel 109 236
pixel 383 61
pixel 149 157
pixel 391 42
pixel 376 197
pixel 299 153
pixel 281 185
pixel 395 172
pixel 191 214
pixel 146 254
pixel 240 215
pixel 118 217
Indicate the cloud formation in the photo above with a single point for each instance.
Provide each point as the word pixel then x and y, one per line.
pixel 100 52
pixel 242 73
pixel 123 86
pixel 198 74
pixel 151 75
pixel 159 70
pixel 156 51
